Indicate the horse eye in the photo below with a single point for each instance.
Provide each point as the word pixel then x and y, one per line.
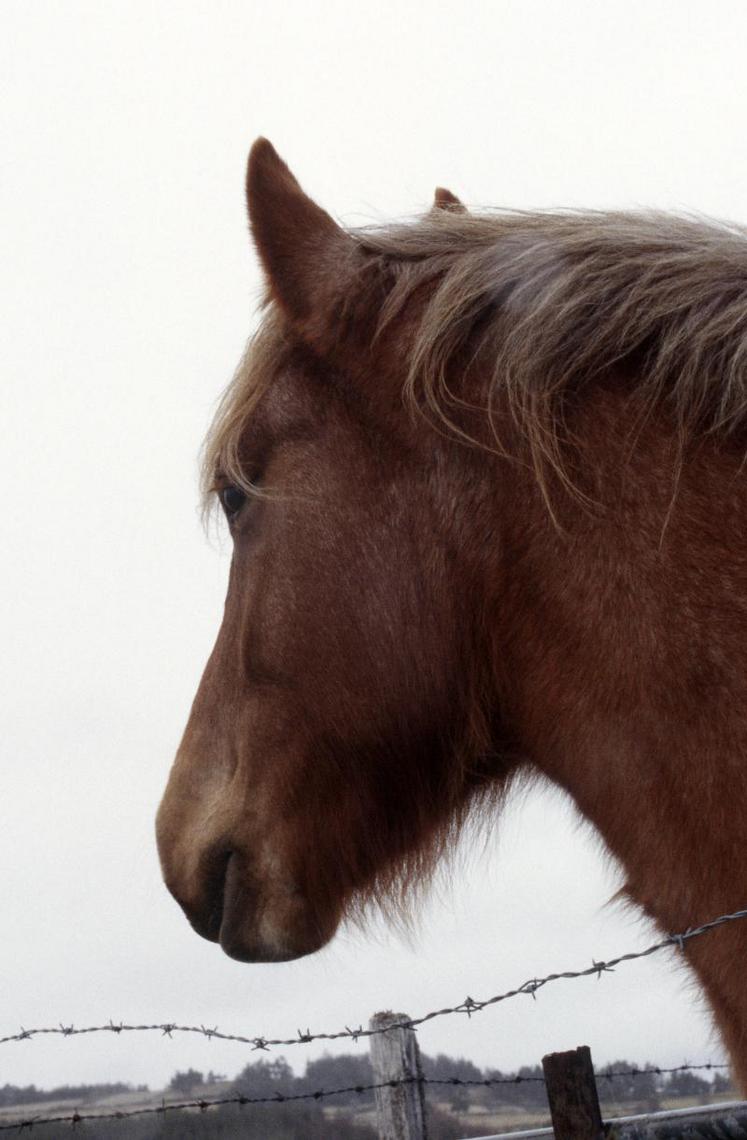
pixel 232 500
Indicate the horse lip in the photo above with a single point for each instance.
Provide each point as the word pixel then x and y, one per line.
pixel 238 907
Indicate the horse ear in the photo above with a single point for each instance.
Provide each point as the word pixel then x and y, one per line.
pixel 444 200
pixel 303 251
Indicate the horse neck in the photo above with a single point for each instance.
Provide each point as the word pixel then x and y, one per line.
pixel 621 656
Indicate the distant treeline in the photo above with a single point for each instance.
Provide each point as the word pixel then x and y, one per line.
pixel 522 1088
pixel 334 1118
pixel 81 1094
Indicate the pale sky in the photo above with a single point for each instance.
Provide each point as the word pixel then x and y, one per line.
pixel 128 287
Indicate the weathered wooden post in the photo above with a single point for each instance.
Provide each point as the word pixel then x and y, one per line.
pixel 400 1108
pixel 572 1093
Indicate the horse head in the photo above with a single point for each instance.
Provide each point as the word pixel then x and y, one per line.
pixel 344 722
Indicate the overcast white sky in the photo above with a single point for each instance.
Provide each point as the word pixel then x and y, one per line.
pixel 127 290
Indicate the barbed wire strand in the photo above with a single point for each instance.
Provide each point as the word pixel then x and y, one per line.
pixel 469 1006
pixel 241 1100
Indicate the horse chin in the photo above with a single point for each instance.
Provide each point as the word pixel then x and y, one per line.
pixel 271 925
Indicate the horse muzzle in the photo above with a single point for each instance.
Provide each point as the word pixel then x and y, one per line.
pixel 255 917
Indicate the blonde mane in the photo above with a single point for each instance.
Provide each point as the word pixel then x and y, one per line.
pixel 221 461
pixel 552 300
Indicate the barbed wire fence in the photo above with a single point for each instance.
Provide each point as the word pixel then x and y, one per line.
pixel 469 1006
pixel 240 1100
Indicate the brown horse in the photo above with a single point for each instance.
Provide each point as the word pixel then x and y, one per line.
pixel 484 478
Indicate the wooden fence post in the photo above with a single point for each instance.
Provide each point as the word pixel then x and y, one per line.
pixel 572 1093
pixel 400 1110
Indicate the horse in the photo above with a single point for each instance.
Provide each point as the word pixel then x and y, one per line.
pixel 484 477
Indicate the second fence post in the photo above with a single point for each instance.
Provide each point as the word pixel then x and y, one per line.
pixel 400 1108
pixel 572 1093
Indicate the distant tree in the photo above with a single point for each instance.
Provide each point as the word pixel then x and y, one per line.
pixel 528 1088
pixel 722 1083
pixel 633 1085
pixel 186 1081
pixel 686 1084
pixel 443 1067
pixel 341 1072
pixel 266 1078
pixel 15 1094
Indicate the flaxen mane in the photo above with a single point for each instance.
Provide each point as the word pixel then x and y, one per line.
pixel 555 299
pixel 265 354
pixel 559 298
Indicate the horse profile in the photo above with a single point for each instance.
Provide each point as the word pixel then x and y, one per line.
pixel 484 475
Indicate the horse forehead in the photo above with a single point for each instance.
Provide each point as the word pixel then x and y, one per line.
pixel 315 407
pixel 297 401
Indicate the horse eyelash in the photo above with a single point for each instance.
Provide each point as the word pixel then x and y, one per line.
pixel 250 484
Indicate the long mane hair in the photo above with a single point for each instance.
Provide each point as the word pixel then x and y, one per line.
pixel 553 300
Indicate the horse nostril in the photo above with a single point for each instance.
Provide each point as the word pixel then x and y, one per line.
pixel 207 916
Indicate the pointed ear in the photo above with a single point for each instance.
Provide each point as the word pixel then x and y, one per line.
pixel 304 253
pixel 444 200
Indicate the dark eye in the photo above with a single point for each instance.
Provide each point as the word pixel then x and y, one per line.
pixel 232 500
